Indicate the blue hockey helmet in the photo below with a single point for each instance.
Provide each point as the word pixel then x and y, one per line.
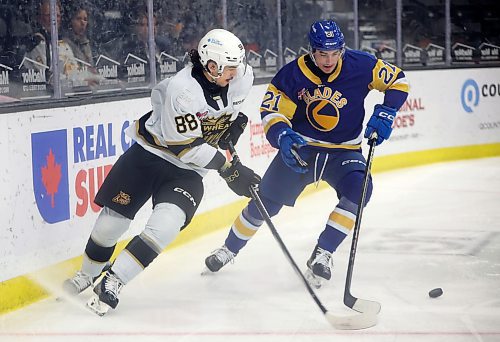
pixel 325 35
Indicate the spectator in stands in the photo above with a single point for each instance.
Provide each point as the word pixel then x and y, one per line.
pixel 75 34
pixel 137 41
pixel 41 52
pixel 182 28
pixel 187 36
pixel 253 23
pixel 15 35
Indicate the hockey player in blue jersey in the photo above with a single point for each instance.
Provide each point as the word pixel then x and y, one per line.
pixel 313 111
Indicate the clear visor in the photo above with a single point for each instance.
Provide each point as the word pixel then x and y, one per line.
pixel 336 52
pixel 242 64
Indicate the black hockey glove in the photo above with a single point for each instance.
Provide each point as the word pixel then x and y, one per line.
pixel 234 131
pixel 239 178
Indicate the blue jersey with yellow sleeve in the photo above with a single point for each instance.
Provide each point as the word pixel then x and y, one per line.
pixel 327 110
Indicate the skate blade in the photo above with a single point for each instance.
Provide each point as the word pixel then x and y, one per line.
pixel 70 289
pixel 207 272
pixel 97 307
pixel 313 280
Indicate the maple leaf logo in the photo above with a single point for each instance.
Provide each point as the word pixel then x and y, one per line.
pixel 51 176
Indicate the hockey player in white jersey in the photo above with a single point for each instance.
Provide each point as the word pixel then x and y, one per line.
pixel 194 113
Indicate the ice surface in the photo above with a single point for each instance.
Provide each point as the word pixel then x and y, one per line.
pixel 426 227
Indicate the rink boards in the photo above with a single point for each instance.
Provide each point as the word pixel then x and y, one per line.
pixel 54 160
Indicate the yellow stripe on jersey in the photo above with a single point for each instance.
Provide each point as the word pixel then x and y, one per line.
pixel 310 75
pixel 326 145
pixel 179 143
pixel 276 101
pixel 272 119
pixel 183 152
pixel 336 72
pixel 385 77
pixel 157 141
pixel 342 220
pixel 153 141
pixel 401 85
pixel 306 71
pixel 242 230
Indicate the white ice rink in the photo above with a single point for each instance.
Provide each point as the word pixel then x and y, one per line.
pixel 426 227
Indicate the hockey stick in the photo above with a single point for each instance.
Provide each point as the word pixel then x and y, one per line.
pixel 348 322
pixel 358 304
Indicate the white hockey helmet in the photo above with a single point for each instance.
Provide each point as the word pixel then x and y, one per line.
pixel 222 47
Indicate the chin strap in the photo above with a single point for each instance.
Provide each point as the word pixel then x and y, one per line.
pixel 211 77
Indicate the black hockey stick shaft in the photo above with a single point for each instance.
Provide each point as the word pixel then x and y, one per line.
pixel 349 299
pixel 263 211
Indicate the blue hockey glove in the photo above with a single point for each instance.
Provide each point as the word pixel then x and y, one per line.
pixel 380 123
pixel 289 142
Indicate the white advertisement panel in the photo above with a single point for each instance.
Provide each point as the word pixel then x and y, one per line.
pixel 57 160
pixel 445 108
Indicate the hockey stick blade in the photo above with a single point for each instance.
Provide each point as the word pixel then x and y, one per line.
pixel 352 322
pixel 362 305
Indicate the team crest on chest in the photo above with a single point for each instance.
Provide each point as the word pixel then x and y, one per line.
pixel 322 107
pixel 213 128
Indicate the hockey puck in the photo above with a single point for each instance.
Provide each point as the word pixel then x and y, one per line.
pixel 435 292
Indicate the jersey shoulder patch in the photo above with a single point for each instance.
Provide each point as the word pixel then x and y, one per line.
pixel 185 92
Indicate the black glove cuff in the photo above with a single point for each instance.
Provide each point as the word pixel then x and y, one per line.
pixel 217 162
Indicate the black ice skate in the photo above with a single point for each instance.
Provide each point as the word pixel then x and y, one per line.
pixel 81 281
pixel 319 267
pixel 219 258
pixel 106 294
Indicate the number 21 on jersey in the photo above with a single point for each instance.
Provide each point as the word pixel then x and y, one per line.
pixel 271 101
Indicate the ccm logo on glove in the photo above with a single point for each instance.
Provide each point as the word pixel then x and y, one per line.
pixel 239 178
pixel 380 123
pixel 387 115
pixel 232 177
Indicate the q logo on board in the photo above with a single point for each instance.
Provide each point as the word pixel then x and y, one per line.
pixel 469 95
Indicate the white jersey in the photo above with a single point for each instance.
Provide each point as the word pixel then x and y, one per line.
pixel 186 124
